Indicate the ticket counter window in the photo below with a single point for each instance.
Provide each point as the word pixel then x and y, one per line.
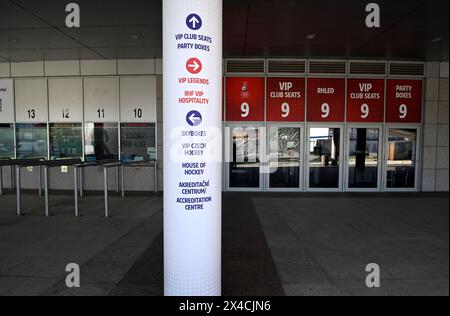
pixel 66 141
pixel 401 158
pixel 101 141
pixel 324 158
pixel 31 141
pixel 285 157
pixel 245 165
pixel 6 141
pixel 363 158
pixel 138 142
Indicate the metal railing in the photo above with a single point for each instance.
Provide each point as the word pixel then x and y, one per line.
pixel 78 166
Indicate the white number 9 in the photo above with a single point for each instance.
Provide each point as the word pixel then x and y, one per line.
pixel 365 111
pixel 325 110
pixel 403 111
pixel 285 109
pixel 245 108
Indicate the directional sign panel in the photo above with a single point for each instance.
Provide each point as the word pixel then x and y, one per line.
pixel 192 58
pixel 326 100
pixel 6 101
pixel 245 99
pixel 101 100
pixel 404 101
pixel 138 99
pixel 31 100
pixel 65 100
pixel 285 99
pixel 365 100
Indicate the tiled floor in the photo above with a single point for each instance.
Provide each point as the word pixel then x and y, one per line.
pixel 273 244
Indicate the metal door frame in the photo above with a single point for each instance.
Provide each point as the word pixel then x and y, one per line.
pixel 381 146
pixel 301 187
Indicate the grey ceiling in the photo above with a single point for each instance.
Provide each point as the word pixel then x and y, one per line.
pixel 252 28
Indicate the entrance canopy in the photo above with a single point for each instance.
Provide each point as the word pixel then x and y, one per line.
pixel 410 29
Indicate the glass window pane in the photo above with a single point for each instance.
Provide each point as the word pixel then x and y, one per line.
pixel 324 157
pixel 363 158
pixel 6 141
pixel 66 141
pixel 31 141
pixel 101 141
pixel 244 169
pixel 138 142
pixel 285 157
pixel 401 158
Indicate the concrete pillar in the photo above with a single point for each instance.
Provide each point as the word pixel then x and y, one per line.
pixel 192 75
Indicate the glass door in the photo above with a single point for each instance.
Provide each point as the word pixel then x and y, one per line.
pixel 324 158
pixel 285 158
pixel 363 159
pixel 401 158
pixel 244 165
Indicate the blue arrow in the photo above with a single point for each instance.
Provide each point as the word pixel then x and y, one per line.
pixel 194 118
pixel 194 22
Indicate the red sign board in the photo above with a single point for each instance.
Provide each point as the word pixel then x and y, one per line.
pixel 326 100
pixel 365 100
pixel 245 99
pixel 285 99
pixel 404 101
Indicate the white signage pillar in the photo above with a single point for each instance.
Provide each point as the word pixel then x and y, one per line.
pixel 192 74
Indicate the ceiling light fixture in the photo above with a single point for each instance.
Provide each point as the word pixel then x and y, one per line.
pixel 436 40
pixel 135 37
pixel 311 37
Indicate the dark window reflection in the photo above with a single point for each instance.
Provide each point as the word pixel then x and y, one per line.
pixel 31 141
pixel 66 141
pixel 401 158
pixel 138 142
pixel 6 141
pixel 285 157
pixel 363 158
pixel 244 168
pixel 324 157
pixel 101 141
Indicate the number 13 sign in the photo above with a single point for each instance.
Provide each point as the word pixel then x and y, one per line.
pixel 404 101
pixel 245 99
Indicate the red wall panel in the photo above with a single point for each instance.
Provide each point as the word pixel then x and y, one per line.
pixel 245 99
pixel 285 99
pixel 326 100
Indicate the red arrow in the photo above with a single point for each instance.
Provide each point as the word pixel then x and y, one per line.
pixel 194 66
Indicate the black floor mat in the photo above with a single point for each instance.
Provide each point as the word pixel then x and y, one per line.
pixel 248 267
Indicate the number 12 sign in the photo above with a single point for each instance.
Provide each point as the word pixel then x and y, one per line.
pixel 404 101
pixel 245 99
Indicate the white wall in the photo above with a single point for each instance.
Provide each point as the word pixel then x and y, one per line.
pixel 136 179
pixel 435 175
